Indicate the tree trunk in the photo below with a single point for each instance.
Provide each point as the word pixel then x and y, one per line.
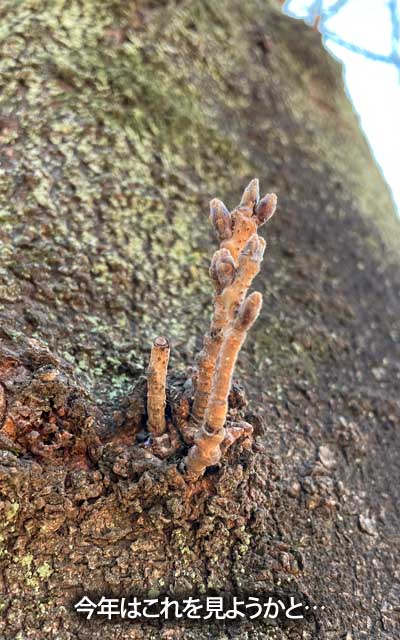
pixel 120 120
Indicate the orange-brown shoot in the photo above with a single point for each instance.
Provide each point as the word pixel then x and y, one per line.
pixel 233 269
pixel 207 448
pixel 217 407
pixel 156 385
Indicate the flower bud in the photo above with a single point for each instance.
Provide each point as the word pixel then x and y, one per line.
pixel 254 248
pixel 221 219
pixel 222 269
pixel 250 195
pixel 249 311
pixel 266 208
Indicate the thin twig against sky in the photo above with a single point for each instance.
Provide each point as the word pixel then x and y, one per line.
pixel 320 12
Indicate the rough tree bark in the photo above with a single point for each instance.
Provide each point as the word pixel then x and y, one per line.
pixel 119 121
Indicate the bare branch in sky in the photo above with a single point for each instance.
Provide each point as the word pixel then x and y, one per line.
pixel 318 14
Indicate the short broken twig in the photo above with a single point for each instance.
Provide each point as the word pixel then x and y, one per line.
pixel 156 386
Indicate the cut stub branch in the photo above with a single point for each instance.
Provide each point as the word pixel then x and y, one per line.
pixel 156 386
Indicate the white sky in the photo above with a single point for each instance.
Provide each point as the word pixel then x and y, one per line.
pixel 373 87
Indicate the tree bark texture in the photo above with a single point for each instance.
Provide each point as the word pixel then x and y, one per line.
pixel 119 122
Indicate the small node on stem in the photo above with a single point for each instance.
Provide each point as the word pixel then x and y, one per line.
pixel 222 269
pixel 253 249
pixel 234 432
pixel 206 452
